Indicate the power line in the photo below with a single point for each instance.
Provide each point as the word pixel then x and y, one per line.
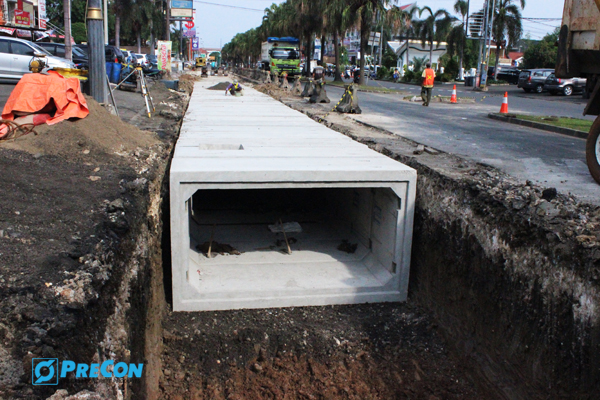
pixel 543 19
pixel 228 6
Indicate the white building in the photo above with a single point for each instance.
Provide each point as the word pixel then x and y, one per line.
pixel 407 50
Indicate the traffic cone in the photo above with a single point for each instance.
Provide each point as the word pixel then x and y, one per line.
pixel 453 97
pixel 504 107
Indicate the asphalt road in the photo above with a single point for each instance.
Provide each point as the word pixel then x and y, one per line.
pixel 518 101
pixel 530 154
pixel 543 157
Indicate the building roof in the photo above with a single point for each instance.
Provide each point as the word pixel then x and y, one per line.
pixel 515 55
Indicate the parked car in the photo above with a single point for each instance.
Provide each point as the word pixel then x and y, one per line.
pixel 142 60
pixel 567 87
pixel 80 58
pixel 508 74
pixel 16 54
pixel 111 53
pixel 533 79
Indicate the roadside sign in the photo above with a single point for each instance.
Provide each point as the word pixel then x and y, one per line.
pixel 22 18
pixel 182 12
pixel 189 33
pixel 42 14
pixel 164 55
pixel 196 43
pixel 182 4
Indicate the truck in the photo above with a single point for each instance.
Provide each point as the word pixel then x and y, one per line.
pixel 281 55
pixel 579 56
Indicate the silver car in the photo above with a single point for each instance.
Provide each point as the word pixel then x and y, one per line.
pixel 16 54
pixel 567 87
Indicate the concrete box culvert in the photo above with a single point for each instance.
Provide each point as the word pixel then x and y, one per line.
pixel 243 167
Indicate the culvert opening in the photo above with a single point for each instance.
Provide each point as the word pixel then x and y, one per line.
pixel 253 248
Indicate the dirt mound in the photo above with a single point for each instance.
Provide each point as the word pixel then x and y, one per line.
pixel 88 139
pixel 186 82
pixel 219 86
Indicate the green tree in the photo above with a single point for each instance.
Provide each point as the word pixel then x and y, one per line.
pixel 402 23
pixel 507 28
pixel 79 32
pixel 434 27
pixel 362 12
pixel 542 54
pixel 456 38
pixel 336 25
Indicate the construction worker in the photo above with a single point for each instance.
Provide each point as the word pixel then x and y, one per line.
pixel 427 86
pixel 234 89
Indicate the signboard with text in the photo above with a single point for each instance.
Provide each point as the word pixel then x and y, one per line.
pixel 189 33
pixel 164 55
pixel 195 43
pixel 22 18
pixel 181 12
pixel 182 4
pixel 42 14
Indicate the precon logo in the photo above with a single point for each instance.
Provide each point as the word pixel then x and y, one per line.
pixel 46 371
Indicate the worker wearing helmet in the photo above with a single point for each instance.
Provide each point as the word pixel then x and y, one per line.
pixel 234 89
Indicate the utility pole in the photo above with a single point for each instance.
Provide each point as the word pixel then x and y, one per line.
pixel 67 12
pixel 168 20
pixel 105 21
pixel 97 72
pixel 180 41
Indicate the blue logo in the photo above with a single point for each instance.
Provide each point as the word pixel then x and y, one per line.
pixel 44 371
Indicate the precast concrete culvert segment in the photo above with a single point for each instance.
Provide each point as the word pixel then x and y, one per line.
pixel 271 209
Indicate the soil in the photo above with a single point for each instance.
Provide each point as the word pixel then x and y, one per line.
pixel 376 351
pixel 72 197
pixel 91 139
pixel 219 86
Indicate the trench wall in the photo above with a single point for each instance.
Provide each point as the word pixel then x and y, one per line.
pixel 511 270
pixel 511 273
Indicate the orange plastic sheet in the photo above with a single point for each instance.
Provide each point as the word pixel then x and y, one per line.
pixel 40 93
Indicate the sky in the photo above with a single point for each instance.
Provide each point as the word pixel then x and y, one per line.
pixel 217 21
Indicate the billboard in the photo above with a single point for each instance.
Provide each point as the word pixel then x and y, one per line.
pixel 164 55
pixel 189 33
pixel 42 14
pixel 195 43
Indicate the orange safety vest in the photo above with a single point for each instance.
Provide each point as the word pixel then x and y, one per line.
pixel 429 76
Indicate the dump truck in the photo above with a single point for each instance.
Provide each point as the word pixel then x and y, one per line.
pixel 281 55
pixel 579 56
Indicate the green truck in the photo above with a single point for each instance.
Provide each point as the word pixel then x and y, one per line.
pixel 281 55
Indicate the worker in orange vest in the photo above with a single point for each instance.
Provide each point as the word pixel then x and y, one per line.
pixel 427 87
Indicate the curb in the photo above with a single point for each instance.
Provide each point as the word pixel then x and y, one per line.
pixel 538 125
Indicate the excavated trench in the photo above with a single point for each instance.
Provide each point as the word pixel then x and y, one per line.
pixel 503 301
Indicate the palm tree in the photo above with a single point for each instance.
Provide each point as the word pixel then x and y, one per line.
pixel 434 27
pixel 362 12
pixel 334 24
pixel 457 37
pixel 402 23
pixel 507 22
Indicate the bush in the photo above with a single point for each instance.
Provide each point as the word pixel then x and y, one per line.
pixel 383 73
pixel 451 68
pixel 79 32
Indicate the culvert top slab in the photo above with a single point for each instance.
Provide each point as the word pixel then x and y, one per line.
pixel 244 164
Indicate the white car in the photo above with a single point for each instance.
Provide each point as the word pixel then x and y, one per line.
pixel 142 59
pixel 16 54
